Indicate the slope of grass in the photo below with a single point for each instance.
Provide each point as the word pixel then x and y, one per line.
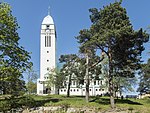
pixel 99 103
pixel 102 103
pixel 140 105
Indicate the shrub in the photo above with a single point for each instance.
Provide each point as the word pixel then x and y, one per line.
pixel 4 106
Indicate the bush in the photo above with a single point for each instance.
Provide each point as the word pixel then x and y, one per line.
pixel 27 102
pixel 4 106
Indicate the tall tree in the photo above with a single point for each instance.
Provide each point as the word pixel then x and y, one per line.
pixel 124 84
pixel 31 80
pixel 112 33
pixel 91 64
pixel 59 80
pixel 92 69
pixel 56 79
pixel 121 83
pixel 14 59
pixel 69 68
pixel 77 68
pixel 11 81
pixel 144 84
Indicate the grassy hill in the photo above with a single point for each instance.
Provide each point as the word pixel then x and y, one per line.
pixel 96 103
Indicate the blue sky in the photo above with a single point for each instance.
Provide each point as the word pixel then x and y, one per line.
pixel 70 16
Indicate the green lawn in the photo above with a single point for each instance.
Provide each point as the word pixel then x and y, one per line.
pixel 99 103
pixel 140 105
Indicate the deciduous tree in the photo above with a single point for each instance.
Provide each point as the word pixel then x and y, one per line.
pixel 14 59
pixel 56 79
pixel 31 80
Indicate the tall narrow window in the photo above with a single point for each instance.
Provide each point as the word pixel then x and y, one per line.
pixel 101 82
pixel 47 41
pixel 74 82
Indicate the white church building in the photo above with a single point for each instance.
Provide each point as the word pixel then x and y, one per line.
pixel 47 54
pixel 48 63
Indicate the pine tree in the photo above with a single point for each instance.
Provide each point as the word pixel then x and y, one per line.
pixel 69 68
pixel 113 34
pixel 144 84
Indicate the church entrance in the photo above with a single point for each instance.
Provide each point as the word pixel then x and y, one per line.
pixel 48 91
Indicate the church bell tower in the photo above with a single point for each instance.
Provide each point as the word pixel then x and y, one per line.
pixel 47 54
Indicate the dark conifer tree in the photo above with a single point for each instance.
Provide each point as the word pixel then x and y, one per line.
pixel 112 33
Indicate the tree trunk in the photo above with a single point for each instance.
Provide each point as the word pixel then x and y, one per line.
pixel 58 91
pixel 111 92
pixel 111 85
pixel 69 84
pixel 120 93
pixel 87 79
pixel 4 89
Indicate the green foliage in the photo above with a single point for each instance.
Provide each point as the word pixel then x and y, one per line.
pixel 4 106
pixel 11 81
pixel 112 33
pixel 13 58
pixel 59 79
pixel 121 84
pixel 31 84
pixel 74 68
pixel 77 65
pixel 11 53
pixel 8 104
pixel 27 102
pixel 56 78
pixel 144 85
pixel 70 68
pixel 31 87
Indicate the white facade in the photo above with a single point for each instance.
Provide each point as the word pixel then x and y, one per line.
pixel 95 88
pixel 48 63
pixel 47 54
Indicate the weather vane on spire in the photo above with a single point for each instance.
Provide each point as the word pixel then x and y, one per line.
pixel 49 10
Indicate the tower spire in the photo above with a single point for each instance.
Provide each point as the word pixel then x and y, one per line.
pixel 48 10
